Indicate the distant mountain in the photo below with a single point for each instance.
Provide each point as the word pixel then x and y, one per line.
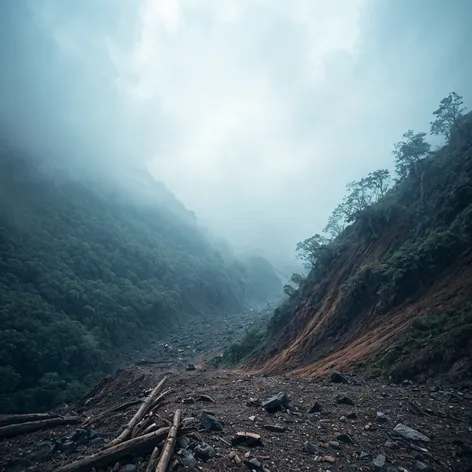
pixel 90 267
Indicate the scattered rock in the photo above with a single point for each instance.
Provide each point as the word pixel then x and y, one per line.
pixel 276 403
pixel 422 467
pixel 381 417
pixel 246 439
pixel 188 400
pixel 329 459
pixel 344 400
pixel 190 367
pixel 210 422
pixel 345 438
pixel 352 415
pixel 334 445
pixel 316 408
pixel 379 462
pixel 309 448
pixel 204 452
pixel 364 455
pixel 391 444
pixel 254 465
pixel 336 377
pixel 187 459
pixel 130 468
pixel 235 458
pixel 275 428
pixel 253 402
pixel 409 433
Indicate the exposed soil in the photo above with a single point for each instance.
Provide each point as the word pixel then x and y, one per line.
pixel 329 330
pixel 441 412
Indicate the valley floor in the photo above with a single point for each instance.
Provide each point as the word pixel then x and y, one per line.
pixel 340 436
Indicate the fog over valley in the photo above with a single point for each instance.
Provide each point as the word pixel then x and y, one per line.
pixel 255 114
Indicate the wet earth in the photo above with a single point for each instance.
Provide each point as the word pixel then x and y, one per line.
pixel 341 423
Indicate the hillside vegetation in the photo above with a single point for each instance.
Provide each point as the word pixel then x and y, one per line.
pixel 391 276
pixel 89 269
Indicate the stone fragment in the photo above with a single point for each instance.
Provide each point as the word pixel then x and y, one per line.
pixel 336 377
pixel 379 462
pixel 409 433
pixel 210 422
pixel 246 439
pixel 276 403
pixel 344 400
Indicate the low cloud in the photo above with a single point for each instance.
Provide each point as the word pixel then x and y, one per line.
pixel 255 113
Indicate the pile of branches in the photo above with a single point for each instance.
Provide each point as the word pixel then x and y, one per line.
pixel 141 435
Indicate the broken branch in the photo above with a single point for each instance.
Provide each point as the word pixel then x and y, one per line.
pixel 112 454
pixel 17 419
pixel 170 442
pixel 143 409
pixel 29 427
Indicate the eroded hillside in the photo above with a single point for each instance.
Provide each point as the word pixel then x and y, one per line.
pixel 390 292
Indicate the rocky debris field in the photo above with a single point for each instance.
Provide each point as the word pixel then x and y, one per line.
pixel 197 340
pixel 236 421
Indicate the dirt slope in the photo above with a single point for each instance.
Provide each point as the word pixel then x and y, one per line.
pixel 396 291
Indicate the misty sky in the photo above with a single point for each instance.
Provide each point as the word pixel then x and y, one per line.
pixel 255 113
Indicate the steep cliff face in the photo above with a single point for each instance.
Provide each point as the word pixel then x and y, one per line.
pixel 394 293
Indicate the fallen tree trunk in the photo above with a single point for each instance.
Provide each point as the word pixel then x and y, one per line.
pixel 17 419
pixel 134 446
pixel 143 409
pixel 30 426
pixel 151 465
pixel 170 442
pixel 123 406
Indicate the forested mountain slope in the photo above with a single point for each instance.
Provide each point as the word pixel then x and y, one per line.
pixel 390 281
pixel 89 268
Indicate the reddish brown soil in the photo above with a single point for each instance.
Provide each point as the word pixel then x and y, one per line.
pixel 332 330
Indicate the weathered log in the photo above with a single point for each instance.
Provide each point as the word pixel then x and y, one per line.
pixel 151 465
pixel 29 427
pixel 6 420
pixel 170 442
pixel 105 413
pixel 134 446
pixel 143 409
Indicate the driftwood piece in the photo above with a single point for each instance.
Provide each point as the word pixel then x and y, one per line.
pixel 31 426
pixel 143 409
pixel 6 420
pixel 105 413
pixel 101 459
pixel 141 426
pixel 151 465
pixel 170 442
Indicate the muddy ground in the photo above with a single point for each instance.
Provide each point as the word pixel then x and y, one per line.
pixel 338 436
